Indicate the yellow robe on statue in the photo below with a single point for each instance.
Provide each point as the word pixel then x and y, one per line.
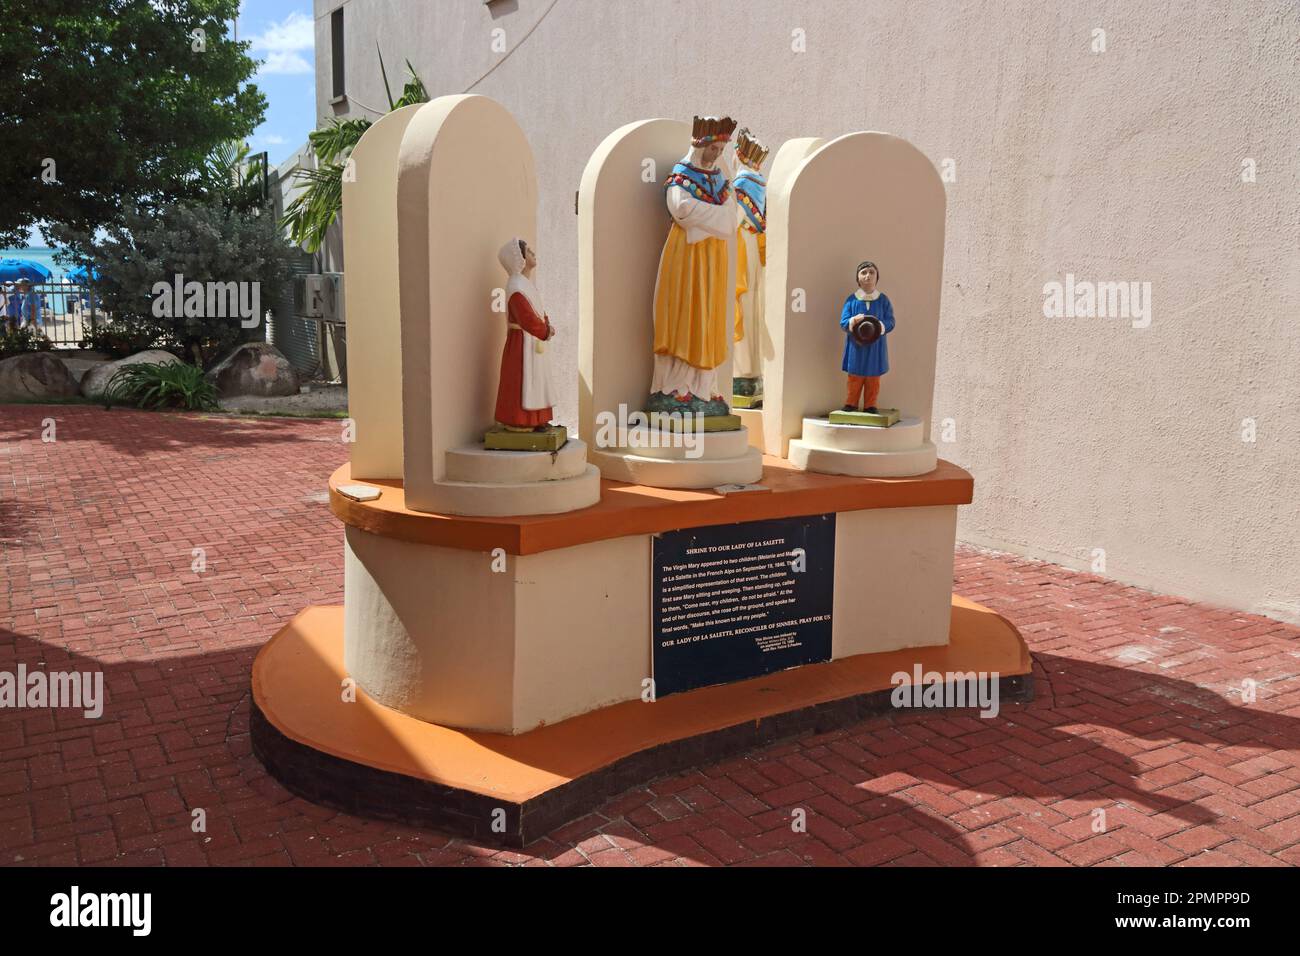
pixel 691 300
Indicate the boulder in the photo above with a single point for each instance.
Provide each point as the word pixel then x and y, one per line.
pixel 96 378
pixel 35 376
pixel 254 368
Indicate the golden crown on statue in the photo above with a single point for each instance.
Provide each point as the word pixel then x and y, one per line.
pixel 711 129
pixel 751 152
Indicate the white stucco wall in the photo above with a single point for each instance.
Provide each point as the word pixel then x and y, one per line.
pixel 1123 165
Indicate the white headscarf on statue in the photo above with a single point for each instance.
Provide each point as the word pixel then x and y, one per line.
pixel 512 260
pixel 537 382
pixel 726 162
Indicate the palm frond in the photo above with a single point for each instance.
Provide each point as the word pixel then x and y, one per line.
pixel 384 73
pixel 413 92
pixel 336 138
pixel 311 213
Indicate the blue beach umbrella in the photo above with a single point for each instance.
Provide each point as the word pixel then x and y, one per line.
pixel 78 274
pixel 11 270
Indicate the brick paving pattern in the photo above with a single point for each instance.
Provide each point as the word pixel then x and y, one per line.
pixel 1143 711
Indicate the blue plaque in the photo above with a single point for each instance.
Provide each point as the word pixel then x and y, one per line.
pixel 735 601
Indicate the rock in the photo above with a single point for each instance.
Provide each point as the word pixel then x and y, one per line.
pixel 35 376
pixel 254 368
pixel 96 378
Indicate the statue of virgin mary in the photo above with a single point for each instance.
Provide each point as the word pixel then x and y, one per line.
pixel 692 296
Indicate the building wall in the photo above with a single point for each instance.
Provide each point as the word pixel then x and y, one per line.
pixel 1086 435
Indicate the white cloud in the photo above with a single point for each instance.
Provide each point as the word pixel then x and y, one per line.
pixel 286 63
pixel 282 44
pixel 271 139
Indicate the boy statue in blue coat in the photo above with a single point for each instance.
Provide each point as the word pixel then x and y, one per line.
pixel 867 317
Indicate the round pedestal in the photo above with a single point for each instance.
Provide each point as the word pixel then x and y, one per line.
pixel 490 483
pixel 474 463
pixel 864 464
pixel 905 435
pixel 503 499
pixel 865 451
pixel 663 459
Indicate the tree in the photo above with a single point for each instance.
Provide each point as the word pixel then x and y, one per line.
pixel 209 242
pixel 114 103
pixel 315 208
pixel 234 177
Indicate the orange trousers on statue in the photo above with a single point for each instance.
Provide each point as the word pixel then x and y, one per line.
pixel 864 387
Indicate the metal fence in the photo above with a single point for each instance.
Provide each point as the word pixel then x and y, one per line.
pixel 63 311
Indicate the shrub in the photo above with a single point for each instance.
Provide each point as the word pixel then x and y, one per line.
pixel 118 338
pixel 161 385
pixel 203 242
pixel 16 341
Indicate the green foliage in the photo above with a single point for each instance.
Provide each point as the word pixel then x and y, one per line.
pixel 16 341
pixel 233 178
pixel 203 242
pixel 116 95
pixel 161 385
pixel 315 208
pixel 119 338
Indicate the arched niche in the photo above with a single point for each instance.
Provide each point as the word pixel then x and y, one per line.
pixel 860 196
pixel 787 159
pixel 372 305
pixel 466 183
pixel 622 225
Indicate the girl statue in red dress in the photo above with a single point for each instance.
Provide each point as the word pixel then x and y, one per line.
pixel 525 396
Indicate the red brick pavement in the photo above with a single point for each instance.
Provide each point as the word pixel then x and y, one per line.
pixel 1139 711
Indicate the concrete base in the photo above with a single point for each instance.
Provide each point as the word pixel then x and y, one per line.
pixel 653 458
pixel 370 760
pixel 488 482
pixel 504 499
pixel 864 464
pixel 506 624
pixel 904 435
pixel 506 643
pixel 865 451
pixel 476 464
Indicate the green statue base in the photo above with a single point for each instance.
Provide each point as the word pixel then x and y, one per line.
pixel 881 419
pixel 500 438
pixel 710 423
pixel 746 393
pixel 670 404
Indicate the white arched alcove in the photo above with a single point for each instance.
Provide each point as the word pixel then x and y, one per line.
pixel 860 196
pixel 466 185
pixel 622 225
pixel 788 157
pixel 372 305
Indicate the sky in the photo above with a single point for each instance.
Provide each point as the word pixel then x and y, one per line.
pixel 283 41
pixel 281 32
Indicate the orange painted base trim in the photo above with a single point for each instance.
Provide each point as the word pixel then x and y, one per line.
pixel 626 509
pixel 298 706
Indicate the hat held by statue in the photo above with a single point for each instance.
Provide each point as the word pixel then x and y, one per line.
pixel 868 330
pixel 750 151
pixel 711 129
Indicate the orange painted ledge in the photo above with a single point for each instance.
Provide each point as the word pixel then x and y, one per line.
pixel 297 678
pixel 626 509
